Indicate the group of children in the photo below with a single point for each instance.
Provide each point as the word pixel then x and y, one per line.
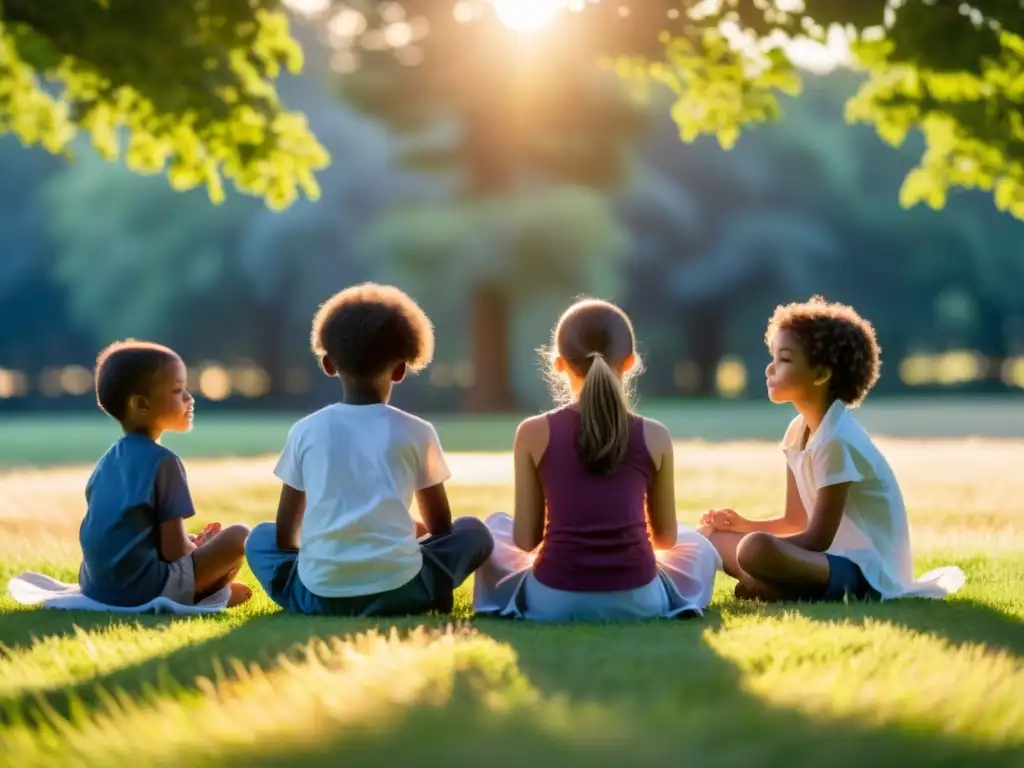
pixel 594 533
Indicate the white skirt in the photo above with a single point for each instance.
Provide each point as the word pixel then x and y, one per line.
pixel 505 586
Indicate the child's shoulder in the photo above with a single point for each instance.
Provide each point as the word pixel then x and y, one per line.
pixel 136 448
pixel 534 425
pixel 657 438
pixel 412 424
pixel 653 429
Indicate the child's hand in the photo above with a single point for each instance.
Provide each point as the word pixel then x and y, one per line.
pixel 208 533
pixel 722 519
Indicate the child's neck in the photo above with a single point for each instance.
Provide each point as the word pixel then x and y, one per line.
pixel 360 393
pixel 144 430
pixel 813 413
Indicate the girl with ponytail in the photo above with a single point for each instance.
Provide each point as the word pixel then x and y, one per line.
pixel 594 534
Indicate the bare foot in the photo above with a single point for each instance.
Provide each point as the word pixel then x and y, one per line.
pixel 240 593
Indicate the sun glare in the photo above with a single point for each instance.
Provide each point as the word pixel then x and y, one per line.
pixel 527 15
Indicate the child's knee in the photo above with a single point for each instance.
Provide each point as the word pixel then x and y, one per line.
pixel 477 536
pixel 235 537
pixel 756 551
pixel 260 537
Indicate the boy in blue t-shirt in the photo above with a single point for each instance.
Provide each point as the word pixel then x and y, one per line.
pixel 134 544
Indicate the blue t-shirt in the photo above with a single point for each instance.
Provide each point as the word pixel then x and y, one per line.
pixel 137 485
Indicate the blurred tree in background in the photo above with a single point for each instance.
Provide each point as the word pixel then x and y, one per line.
pixel 519 258
pixel 520 131
pixel 947 69
pixel 698 244
pixel 138 259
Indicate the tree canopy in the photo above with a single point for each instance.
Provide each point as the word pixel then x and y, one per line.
pixel 951 70
pixel 186 86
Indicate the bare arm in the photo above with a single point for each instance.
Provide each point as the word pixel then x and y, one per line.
pixel 528 520
pixel 174 540
pixel 435 511
pixel 795 518
pixel 793 521
pixel 824 522
pixel 661 496
pixel 290 509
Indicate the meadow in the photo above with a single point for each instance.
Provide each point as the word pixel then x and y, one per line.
pixel 901 683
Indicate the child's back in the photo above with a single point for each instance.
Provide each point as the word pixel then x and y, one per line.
pixel 344 542
pixel 596 537
pixel 360 466
pixel 136 485
pixel 594 496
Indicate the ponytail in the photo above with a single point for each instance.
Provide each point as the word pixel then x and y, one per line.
pixel 604 418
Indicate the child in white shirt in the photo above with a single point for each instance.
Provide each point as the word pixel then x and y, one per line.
pixel 344 542
pixel 844 533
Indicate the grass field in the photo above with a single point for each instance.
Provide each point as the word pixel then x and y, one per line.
pixel 903 684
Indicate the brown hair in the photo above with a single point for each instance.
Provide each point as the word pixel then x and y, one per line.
pixel 833 336
pixel 366 328
pixel 126 368
pixel 595 338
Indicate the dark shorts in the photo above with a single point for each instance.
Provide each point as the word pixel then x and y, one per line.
pixel 447 561
pixel 846 581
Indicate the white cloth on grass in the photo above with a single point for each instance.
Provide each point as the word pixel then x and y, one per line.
pixel 38 589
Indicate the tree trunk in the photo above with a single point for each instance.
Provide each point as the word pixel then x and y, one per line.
pixel 271 338
pixel 492 385
pixel 707 340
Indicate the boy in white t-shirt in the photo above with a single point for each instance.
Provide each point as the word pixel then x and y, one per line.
pixel 844 533
pixel 344 542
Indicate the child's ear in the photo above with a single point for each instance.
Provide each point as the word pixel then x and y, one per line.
pixel 327 366
pixel 559 365
pixel 138 404
pixel 628 363
pixel 822 376
pixel 398 372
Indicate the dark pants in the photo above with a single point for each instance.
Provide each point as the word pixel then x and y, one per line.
pixel 447 561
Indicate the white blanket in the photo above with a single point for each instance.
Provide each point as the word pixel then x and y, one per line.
pixel 37 589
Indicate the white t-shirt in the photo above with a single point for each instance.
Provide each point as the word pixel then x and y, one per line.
pixel 360 466
pixel 874 532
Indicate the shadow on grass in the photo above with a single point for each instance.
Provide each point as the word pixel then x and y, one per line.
pixel 648 694
pixel 23 627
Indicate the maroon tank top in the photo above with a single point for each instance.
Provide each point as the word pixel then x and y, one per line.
pixel 595 534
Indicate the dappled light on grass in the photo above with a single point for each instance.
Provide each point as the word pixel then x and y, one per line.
pixel 365 681
pixel 49 662
pixel 878 672
pixel 902 683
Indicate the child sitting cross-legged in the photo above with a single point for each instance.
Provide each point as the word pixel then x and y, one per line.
pixel 134 544
pixel 594 536
pixel 845 532
pixel 344 542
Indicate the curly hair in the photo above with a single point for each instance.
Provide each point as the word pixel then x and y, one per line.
pixel 126 368
pixel 833 336
pixel 366 328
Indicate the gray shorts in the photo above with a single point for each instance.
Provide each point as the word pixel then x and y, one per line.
pixel 181 581
pixel 546 604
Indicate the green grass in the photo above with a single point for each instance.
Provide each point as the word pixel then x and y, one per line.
pixel 35 440
pixel 905 684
